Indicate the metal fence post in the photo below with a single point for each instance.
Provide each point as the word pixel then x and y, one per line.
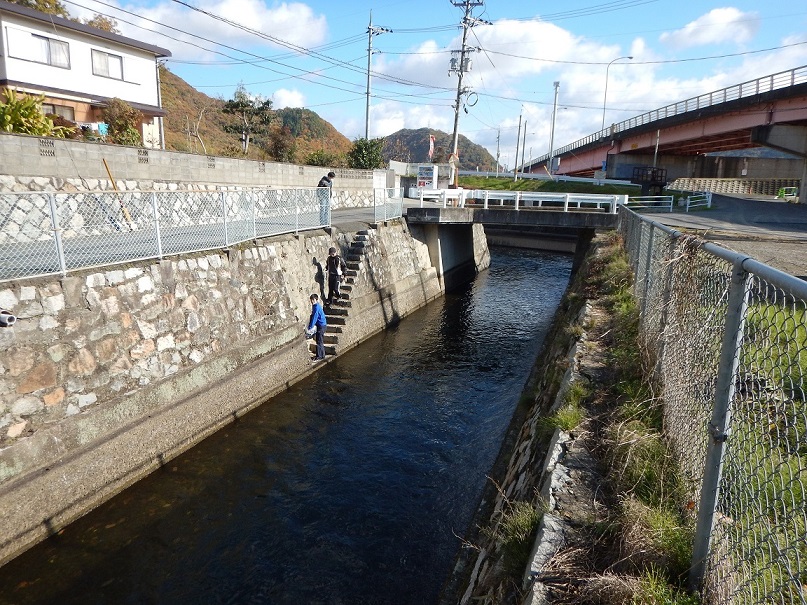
pixel 158 236
pixel 297 212
pixel 254 198
pixel 57 234
pixel 721 416
pixel 647 273
pixel 224 216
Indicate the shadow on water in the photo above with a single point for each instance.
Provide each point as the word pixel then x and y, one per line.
pixel 347 488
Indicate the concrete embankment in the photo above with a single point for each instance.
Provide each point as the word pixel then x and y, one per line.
pixel 108 374
pixel 530 465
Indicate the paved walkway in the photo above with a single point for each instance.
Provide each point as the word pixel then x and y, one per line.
pixel 772 231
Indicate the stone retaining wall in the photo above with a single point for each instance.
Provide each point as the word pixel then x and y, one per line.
pixel 108 374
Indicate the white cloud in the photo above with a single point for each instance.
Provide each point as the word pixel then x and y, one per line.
pixel 292 22
pixel 287 98
pixel 717 26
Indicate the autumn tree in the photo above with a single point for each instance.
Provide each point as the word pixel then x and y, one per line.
pixel 279 144
pixel 320 157
pixel 124 122
pixel 52 7
pixel 366 154
pixel 108 24
pixel 253 111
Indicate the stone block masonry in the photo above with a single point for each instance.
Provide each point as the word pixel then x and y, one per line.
pixel 108 374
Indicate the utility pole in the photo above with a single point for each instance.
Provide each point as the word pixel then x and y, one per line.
pixel 498 136
pixel 518 139
pixel 460 67
pixel 371 31
pixel 523 147
pixel 552 128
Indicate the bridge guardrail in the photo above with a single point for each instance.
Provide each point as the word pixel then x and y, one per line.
pixel 45 233
pixel 567 202
pixel 783 79
pixel 728 336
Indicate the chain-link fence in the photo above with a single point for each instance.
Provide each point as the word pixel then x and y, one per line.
pixel 45 233
pixel 730 338
pixel 387 203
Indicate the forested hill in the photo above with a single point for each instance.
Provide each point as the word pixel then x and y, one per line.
pixel 196 122
pixel 413 146
pixel 188 110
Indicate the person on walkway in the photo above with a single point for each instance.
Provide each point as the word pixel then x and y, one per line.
pixel 324 191
pixel 317 322
pixel 335 269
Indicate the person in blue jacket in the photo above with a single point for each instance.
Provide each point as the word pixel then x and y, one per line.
pixel 318 322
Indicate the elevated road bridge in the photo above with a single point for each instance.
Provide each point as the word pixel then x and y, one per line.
pixel 766 112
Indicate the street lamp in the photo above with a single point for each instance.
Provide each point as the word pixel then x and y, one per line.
pixel 605 96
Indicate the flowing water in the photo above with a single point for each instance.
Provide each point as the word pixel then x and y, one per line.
pixel 348 488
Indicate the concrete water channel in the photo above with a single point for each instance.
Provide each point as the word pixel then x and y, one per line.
pixel 350 487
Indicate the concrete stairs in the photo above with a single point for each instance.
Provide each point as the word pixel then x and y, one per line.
pixel 338 312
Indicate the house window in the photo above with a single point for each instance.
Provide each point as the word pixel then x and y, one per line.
pixel 106 65
pixel 63 111
pixel 24 45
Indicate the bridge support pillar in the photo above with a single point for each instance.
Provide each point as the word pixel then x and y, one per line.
pixel 790 139
pixel 803 185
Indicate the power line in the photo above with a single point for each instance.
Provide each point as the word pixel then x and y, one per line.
pixel 667 61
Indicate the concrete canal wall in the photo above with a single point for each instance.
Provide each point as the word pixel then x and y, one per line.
pixel 106 375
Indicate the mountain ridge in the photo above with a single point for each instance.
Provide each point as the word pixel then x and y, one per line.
pixel 195 123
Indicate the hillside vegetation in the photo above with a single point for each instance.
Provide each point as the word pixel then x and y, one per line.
pixel 413 146
pixel 196 123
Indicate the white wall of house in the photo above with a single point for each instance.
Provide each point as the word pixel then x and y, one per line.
pixel 35 54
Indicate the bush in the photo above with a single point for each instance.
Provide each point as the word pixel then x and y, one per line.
pixel 124 122
pixel 24 115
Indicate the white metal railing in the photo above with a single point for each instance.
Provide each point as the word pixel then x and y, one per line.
pixel 700 199
pixel 784 79
pixel 651 202
pixel 45 233
pixel 566 202
pixel 457 196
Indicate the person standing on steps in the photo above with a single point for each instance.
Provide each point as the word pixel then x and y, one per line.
pixel 335 269
pixel 317 321
pixel 324 192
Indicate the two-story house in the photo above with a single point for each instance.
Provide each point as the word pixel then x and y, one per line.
pixel 79 68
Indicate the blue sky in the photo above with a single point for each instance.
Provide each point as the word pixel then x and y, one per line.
pixel 314 55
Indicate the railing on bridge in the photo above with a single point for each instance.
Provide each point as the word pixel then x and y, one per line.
pixel 784 79
pixel 566 202
pixel 728 337
pixel 44 233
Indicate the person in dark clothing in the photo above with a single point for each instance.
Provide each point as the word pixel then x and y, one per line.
pixel 317 322
pixel 325 189
pixel 335 269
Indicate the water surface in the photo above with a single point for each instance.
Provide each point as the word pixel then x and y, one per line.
pixel 348 488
